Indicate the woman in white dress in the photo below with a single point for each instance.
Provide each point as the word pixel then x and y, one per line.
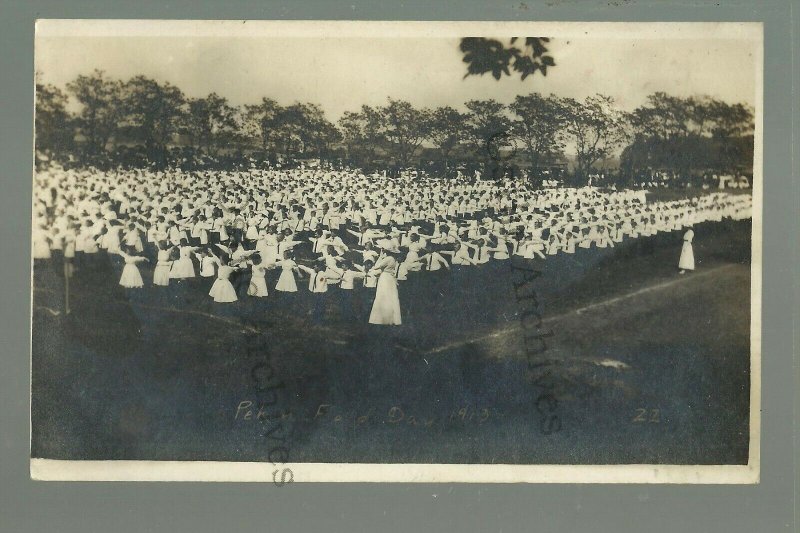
pixel 687 253
pixel 163 265
pixel 183 268
pixel 386 307
pixel 131 277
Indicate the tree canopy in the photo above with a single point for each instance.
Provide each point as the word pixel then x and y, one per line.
pixel 141 121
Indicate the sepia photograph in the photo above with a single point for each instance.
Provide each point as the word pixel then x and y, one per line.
pixel 308 251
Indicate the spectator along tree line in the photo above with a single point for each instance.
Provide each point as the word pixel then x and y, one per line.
pixel 143 123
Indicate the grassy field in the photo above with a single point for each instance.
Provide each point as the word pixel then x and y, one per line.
pixel 651 366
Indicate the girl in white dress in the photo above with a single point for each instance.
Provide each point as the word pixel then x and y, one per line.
pixel 687 253
pixel 111 240
pixel 163 265
pixel 386 307
pixel 317 278
pixel 286 281
pixel 207 261
pixel 222 290
pixel 131 277
pixel 89 239
pixel 370 276
pixel 258 282
pixel 183 268
pixel 503 240
pixel 267 246
pixel 435 261
pixel 200 229
pixel 133 237
pixel 460 256
pixel 368 253
pixel 351 273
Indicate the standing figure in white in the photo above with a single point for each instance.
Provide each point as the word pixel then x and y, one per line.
pixel 386 307
pixel 687 253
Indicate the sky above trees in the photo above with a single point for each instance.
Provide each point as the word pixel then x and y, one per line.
pixel 342 74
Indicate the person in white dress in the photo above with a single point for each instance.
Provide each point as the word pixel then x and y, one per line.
pixel 287 281
pixel 163 264
pixel 686 261
pixel 183 268
pixel 207 261
pixel 370 276
pixel 41 243
pixel 386 306
pixel 258 281
pixel 222 290
pixel 111 239
pixel 131 277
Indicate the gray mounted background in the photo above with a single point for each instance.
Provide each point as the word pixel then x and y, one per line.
pixel 84 507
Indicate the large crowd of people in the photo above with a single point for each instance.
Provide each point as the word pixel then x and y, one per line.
pixel 324 230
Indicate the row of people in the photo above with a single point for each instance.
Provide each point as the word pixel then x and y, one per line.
pixel 342 224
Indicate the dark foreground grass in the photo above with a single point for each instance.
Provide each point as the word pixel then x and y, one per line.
pixel 653 367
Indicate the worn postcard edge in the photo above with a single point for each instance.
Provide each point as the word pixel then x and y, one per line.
pixel 220 471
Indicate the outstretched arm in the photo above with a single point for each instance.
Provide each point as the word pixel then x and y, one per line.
pixel 307 270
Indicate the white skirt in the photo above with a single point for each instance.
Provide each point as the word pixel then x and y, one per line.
pixel 687 257
pixel 161 274
pixel 182 268
pixel 131 278
pixel 386 307
pixel 402 272
pixel 252 233
pixel 286 282
pixel 41 250
pixel 258 287
pixel 222 291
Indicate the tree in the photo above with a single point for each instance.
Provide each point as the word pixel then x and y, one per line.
pixel 404 129
pixel 362 133
pixel 540 126
pixel 351 127
pixel 733 132
pixel 52 122
pixel 664 116
pixel 290 129
pixel 302 128
pixel 484 55
pixel 153 111
pixel 319 133
pixel 730 120
pixel 447 129
pixel 209 122
pixel 685 137
pixel 487 122
pixel 595 127
pixel 261 121
pixel 100 112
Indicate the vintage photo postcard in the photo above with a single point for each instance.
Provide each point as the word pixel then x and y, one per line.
pixel 396 251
